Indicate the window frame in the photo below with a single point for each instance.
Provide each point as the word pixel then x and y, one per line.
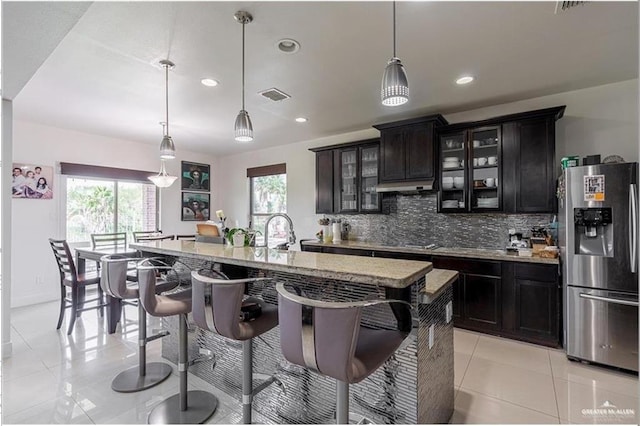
pixel 63 201
pixel 263 171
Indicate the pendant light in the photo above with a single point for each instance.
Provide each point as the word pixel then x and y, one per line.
pixel 162 179
pixel 167 148
pixel 395 86
pixel 243 126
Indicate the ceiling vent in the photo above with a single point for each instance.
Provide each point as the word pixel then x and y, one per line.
pixel 274 94
pixel 566 5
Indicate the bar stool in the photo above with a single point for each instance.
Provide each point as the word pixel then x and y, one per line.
pixel 327 337
pixel 185 407
pixel 217 307
pixel 114 282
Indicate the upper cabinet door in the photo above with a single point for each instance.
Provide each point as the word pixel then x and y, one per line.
pixel 392 155
pixel 485 164
pixel 419 151
pixel 369 198
pixel 324 181
pixel 348 180
pixel 529 151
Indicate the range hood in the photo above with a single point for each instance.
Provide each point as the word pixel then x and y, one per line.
pixel 406 187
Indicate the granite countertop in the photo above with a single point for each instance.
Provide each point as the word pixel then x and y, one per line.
pixel 395 273
pixel 435 282
pixel 473 253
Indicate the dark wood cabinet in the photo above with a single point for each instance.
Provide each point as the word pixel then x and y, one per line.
pixel 529 154
pixel 514 174
pixel 324 182
pixel 534 300
pixel 518 300
pixel 346 177
pixel 477 294
pixel 407 149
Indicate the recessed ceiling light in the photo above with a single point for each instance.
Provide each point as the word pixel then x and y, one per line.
pixel 301 120
pixel 209 82
pixel 288 45
pixel 464 79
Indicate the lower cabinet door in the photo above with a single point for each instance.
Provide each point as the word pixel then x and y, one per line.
pixel 482 304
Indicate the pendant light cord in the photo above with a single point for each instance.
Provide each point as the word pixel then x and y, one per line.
pixel 243 24
pixel 394 29
pixel 166 98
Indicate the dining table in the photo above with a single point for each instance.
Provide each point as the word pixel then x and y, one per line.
pixel 114 305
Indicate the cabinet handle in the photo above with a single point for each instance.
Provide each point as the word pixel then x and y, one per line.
pixel 633 219
pixel 609 299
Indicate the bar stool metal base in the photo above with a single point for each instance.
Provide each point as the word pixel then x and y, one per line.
pixel 201 405
pixel 131 381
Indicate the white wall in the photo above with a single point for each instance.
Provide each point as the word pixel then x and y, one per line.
pixel 35 276
pixel 300 180
pixel 5 219
pixel 598 120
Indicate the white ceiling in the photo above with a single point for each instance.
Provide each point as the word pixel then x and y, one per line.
pixel 103 77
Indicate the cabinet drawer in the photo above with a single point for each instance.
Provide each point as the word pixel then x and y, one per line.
pixel 406 256
pixel 545 273
pixel 478 267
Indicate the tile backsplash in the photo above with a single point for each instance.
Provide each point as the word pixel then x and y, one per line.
pixel 414 220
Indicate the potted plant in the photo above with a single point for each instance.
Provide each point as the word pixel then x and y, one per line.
pixel 241 237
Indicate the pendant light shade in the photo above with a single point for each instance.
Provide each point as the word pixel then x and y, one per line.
pixel 162 179
pixel 243 128
pixel 395 85
pixel 167 148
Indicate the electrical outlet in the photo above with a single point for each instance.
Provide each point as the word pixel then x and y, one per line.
pixel 431 335
pixel 449 311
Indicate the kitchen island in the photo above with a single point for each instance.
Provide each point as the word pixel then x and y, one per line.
pixel 413 386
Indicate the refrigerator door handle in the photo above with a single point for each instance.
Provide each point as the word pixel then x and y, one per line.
pixel 633 218
pixel 609 299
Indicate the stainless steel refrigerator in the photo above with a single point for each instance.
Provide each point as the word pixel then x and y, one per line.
pixel 598 234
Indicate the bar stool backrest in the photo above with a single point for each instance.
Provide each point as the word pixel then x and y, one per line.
pixel 318 335
pixel 115 239
pixel 141 234
pixel 216 307
pixel 113 279
pixel 64 259
pixel 147 286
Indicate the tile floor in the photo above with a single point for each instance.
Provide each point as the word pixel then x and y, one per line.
pixel 55 378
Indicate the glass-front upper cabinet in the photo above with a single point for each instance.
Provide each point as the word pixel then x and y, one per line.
pixel 453 174
pixel 369 198
pixel 349 180
pixel 485 149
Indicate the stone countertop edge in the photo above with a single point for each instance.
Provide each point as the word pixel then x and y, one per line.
pixel 420 268
pixel 435 282
pixel 489 254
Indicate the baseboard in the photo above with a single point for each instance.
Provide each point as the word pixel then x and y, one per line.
pixel 33 299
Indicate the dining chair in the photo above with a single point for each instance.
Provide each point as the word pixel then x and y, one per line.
pixel 115 239
pixel 77 283
pixel 155 238
pixel 143 234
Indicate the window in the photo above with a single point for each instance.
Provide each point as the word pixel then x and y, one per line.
pixel 104 205
pixel 268 195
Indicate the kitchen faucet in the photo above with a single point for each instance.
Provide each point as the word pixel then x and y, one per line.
pixel 292 235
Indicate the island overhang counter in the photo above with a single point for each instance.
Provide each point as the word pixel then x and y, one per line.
pixel 415 385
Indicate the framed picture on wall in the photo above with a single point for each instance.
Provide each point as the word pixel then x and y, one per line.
pixel 195 206
pixel 195 176
pixel 32 181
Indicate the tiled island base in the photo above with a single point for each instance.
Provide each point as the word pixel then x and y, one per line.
pixel 416 385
